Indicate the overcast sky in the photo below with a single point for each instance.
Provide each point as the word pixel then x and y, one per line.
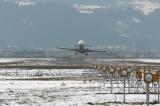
pixel 51 23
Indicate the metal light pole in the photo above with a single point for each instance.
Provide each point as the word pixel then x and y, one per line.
pixel 6 70
pixel 147 94
pixel 158 92
pixel 111 70
pixel 124 86
pixel 111 84
pixel 129 88
pixel 158 84
pixel 137 86
pixel 124 74
pixel 49 72
pixel 148 77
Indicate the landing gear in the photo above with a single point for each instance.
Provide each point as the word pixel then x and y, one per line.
pixel 86 53
pixel 76 53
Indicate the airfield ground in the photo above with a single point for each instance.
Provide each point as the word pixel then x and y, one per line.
pixel 67 87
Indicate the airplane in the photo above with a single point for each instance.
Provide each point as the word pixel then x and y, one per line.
pixel 81 48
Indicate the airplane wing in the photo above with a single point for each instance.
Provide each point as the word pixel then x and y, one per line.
pixel 67 49
pixel 88 50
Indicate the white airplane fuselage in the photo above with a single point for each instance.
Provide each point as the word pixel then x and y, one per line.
pixel 81 46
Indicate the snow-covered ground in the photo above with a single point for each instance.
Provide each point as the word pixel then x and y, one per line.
pixel 63 92
pixel 22 87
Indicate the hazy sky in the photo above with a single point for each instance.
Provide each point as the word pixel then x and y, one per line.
pixel 51 23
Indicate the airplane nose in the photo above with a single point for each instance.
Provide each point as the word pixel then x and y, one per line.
pixel 81 42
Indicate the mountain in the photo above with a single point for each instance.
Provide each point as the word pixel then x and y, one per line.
pixel 30 24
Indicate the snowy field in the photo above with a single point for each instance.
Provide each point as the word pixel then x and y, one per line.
pixel 68 87
pixel 68 92
pixel 62 93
